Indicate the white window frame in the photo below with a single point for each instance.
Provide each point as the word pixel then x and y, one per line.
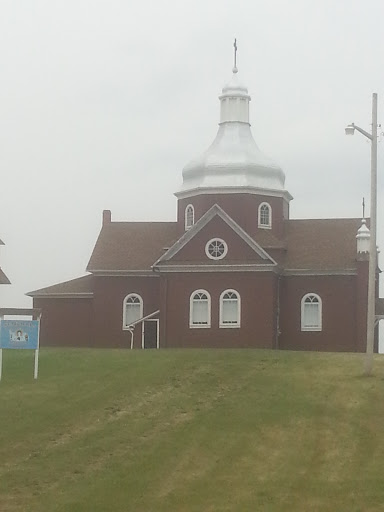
pixel 269 225
pixel 188 225
pixel 222 324
pixel 130 295
pixel 319 326
pixel 191 304
pixel 210 256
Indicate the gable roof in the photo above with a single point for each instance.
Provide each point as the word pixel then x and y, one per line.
pixel 310 245
pixel 214 211
pixel 81 287
pixel 131 246
pixel 321 244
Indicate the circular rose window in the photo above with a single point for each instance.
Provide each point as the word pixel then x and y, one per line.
pixel 216 249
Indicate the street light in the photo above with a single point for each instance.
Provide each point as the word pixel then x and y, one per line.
pixel 350 130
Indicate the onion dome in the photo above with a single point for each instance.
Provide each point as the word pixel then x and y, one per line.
pixel 233 161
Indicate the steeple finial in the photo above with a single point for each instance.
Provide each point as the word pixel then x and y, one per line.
pixel 234 69
pixel 363 208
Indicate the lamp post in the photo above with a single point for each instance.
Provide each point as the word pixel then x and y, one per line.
pixel 349 130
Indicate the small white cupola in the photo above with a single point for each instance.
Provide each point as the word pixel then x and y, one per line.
pixel 363 238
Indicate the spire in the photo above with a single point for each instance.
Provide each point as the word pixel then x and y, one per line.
pixel 234 98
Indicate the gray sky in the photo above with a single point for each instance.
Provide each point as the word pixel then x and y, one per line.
pixel 103 102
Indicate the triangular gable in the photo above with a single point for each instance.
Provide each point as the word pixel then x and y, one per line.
pixel 215 211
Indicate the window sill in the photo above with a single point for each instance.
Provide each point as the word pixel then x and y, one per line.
pixel 199 326
pixel 229 326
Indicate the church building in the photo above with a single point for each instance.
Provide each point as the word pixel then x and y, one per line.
pixel 233 271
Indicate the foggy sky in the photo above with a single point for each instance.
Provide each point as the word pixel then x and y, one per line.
pixel 104 102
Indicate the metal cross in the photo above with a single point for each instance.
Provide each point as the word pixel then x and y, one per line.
pixel 235 47
pixel 363 208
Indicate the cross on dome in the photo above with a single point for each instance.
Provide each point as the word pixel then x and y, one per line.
pixel 234 69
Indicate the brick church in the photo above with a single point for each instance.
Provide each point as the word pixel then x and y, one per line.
pixel 234 270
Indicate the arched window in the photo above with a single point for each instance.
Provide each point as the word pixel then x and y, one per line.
pixel 265 216
pixel 311 312
pixel 189 217
pixel 132 309
pixel 200 309
pixel 230 310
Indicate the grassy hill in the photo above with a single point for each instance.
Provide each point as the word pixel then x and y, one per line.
pixel 190 431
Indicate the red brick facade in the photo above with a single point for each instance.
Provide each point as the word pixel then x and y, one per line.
pixel 242 208
pixel 271 271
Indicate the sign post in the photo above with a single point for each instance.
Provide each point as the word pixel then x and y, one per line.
pixel 19 334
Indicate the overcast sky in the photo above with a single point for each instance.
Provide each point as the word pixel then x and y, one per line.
pixel 103 102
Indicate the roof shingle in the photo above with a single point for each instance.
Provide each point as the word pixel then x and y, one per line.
pixel 125 246
pixel 321 244
pixel 79 286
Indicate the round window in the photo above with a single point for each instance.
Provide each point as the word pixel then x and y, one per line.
pixel 216 249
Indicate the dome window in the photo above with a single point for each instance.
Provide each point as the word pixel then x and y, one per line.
pixel 189 217
pixel 265 216
pixel 216 249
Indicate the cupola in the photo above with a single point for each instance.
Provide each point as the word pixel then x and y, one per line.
pixel 363 238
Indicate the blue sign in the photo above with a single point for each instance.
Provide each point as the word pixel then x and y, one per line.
pixel 19 334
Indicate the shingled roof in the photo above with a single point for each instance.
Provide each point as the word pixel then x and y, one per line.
pixel 79 287
pixel 131 246
pixel 321 244
pixel 309 244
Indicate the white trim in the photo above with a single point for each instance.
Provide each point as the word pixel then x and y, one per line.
pixel 319 325
pixel 79 295
pixel 311 272
pixel 223 325
pixel 218 268
pixel 199 326
pixel 132 273
pixel 186 226
pixel 184 194
pixel 209 255
pixel 260 225
pixel 126 327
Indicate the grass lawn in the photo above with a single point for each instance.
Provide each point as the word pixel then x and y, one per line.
pixel 190 431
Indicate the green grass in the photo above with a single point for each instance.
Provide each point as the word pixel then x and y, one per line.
pixel 190 431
